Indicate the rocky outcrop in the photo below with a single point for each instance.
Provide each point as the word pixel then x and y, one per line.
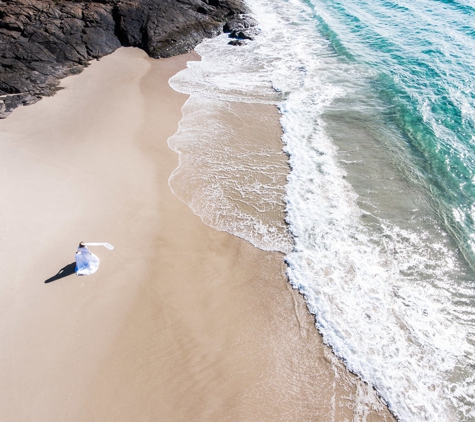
pixel 42 41
pixel 241 27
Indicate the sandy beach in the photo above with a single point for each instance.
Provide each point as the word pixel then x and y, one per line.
pixel 181 322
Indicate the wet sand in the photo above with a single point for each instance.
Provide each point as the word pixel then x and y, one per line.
pixel 181 322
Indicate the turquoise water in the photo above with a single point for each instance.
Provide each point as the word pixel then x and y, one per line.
pixel 423 56
pixel 405 129
pixel 378 114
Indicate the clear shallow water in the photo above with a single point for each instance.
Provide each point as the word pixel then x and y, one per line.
pixel 378 110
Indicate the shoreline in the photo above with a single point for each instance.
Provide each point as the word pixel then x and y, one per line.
pixel 181 322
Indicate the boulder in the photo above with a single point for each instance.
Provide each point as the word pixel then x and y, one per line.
pixel 241 27
pixel 237 42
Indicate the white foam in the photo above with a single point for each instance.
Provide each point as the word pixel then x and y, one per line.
pixel 236 181
pixel 388 300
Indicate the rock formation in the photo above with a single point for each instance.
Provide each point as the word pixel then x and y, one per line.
pixel 241 27
pixel 42 41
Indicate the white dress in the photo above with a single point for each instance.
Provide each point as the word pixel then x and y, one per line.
pixel 86 262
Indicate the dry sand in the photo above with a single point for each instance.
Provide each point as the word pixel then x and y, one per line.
pixel 181 322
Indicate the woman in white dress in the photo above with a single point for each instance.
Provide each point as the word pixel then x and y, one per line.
pixel 86 262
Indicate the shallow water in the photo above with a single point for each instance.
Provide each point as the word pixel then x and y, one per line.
pixel 377 107
pixel 232 169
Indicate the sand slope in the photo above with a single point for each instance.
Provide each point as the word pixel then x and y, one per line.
pixel 180 322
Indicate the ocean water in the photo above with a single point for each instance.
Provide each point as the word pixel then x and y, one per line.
pixel 377 103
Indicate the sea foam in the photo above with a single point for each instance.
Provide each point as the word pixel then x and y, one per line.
pixel 390 291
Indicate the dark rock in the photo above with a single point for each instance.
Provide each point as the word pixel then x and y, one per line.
pixel 248 34
pixel 239 23
pixel 9 102
pixel 236 42
pixel 241 27
pixel 42 41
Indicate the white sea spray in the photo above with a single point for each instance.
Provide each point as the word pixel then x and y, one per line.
pixel 388 296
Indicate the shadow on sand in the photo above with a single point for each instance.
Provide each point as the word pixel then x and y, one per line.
pixel 63 272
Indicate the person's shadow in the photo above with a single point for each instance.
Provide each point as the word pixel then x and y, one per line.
pixel 63 272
